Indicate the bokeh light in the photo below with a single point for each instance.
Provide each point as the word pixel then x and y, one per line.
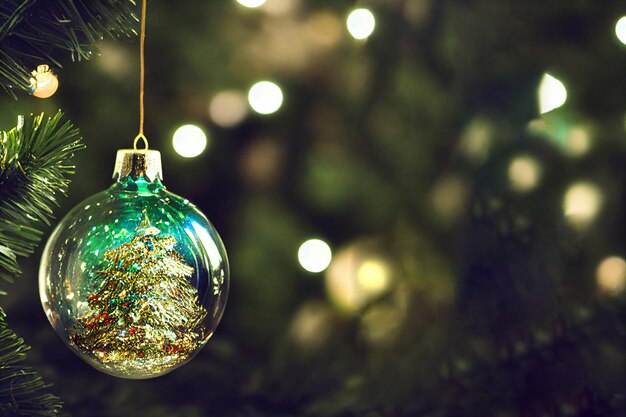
pixel 574 138
pixel 189 141
pixel 578 141
pixel 611 275
pixel 228 108
pixel 552 93
pixel 374 276
pixel 361 23
pixel 314 255
pixel 524 173
pixel 324 29
pixel 262 162
pixel 381 324
pixel 312 325
pixel 114 60
pixel 358 275
pixel 620 29
pixel 449 197
pixel 280 7
pixel 581 204
pixel 265 97
pixel 251 3
pixel 476 140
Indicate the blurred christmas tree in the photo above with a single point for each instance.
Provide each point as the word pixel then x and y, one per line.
pixel 463 161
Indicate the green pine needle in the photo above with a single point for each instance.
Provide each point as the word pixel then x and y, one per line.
pixel 34 32
pixel 22 391
pixel 35 161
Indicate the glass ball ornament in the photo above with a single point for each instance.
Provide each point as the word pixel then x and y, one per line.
pixel 134 279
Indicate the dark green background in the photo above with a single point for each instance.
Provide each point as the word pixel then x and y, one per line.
pixel 501 314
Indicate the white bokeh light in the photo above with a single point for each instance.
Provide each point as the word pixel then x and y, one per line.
pixel 189 141
pixel 251 3
pixel 361 23
pixel 620 29
pixel 552 93
pixel 314 255
pixel 265 97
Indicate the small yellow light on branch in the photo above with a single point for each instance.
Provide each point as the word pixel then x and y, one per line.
pixel 44 83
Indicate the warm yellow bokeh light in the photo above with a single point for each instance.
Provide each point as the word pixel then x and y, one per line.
pixel 524 173
pixel 251 3
pixel 620 29
pixel 228 108
pixel 358 275
pixel 581 204
pixel 265 97
pixel 611 275
pixel 189 141
pixel 578 141
pixel 314 255
pixel 552 94
pixel 361 23
pixel 373 277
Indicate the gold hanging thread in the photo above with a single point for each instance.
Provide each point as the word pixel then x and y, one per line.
pixel 142 41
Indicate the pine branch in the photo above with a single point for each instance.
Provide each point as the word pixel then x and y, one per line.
pixel 34 166
pixel 34 32
pixel 22 391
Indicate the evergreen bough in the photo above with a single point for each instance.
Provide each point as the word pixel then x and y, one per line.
pixel 35 156
pixel 34 32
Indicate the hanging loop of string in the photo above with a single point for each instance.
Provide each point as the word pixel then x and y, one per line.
pixel 142 42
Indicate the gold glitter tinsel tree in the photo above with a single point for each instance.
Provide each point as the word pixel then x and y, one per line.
pixel 144 312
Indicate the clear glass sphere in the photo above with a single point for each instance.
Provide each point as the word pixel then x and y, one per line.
pixel 134 279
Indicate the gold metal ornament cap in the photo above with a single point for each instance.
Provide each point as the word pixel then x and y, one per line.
pixel 138 163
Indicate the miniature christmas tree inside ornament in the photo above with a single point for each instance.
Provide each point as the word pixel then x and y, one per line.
pixel 135 278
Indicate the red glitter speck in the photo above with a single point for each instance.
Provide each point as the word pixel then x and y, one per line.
pixel 140 354
pixel 132 330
